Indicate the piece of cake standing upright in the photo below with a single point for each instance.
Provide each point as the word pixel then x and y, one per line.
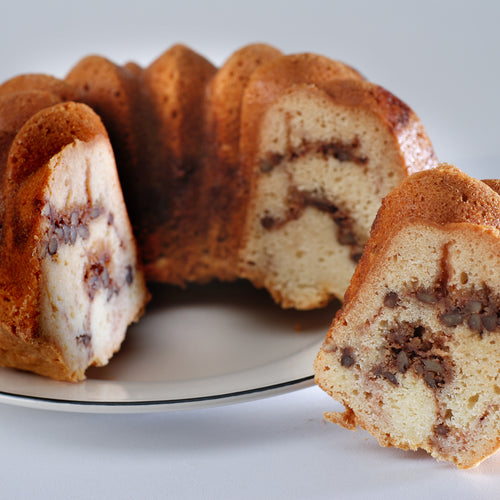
pixel 70 282
pixel 414 354
pixel 322 147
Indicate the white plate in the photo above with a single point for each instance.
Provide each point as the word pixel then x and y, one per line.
pixel 200 347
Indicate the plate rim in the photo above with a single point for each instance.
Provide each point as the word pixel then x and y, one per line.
pixel 148 406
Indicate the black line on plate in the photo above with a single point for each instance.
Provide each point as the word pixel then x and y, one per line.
pixel 160 402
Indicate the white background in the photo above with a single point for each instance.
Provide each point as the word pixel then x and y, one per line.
pixel 442 58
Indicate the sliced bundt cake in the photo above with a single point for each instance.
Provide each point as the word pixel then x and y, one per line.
pixel 414 353
pixel 70 283
pixel 321 157
pixel 253 170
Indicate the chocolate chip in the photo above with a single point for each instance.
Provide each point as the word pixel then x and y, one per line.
pixel 84 339
pixel 268 222
pixel 430 379
pixel 452 318
pixel 390 377
pixel 59 232
pixel 415 348
pixel 129 277
pixel 473 307
pixel 94 282
pixel 402 362
pixel 83 231
pixel 74 219
pixel 489 321
pixel 346 238
pixel 426 298
pixel 105 278
pixel 53 245
pixel 111 292
pixel 391 300
pixel 72 235
pixel 266 166
pixel 347 358
pixel 274 159
pixel 441 430
pixel 474 322
pixel 433 365
pixel 96 276
pixel 356 257
pixel 95 212
pixel 66 233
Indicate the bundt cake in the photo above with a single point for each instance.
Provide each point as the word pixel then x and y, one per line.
pixel 413 355
pixel 70 282
pixel 270 169
pixel 156 119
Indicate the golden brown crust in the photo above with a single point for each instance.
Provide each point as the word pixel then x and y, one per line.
pixel 493 184
pixel 175 86
pixel 26 339
pixel 15 109
pixel 443 196
pixel 223 177
pixel 34 81
pixel 186 140
pixel 112 92
pixel 225 96
pixel 45 134
pixel 397 116
pixel 412 353
pixel 272 79
pixel 33 355
pixel 40 138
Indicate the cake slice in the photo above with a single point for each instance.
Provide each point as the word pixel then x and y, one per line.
pixel 321 156
pixel 414 354
pixel 70 283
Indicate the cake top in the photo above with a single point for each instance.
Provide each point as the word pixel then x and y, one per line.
pixel 35 81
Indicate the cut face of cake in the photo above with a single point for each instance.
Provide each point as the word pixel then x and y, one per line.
pixel 325 157
pixel 414 354
pixel 70 282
